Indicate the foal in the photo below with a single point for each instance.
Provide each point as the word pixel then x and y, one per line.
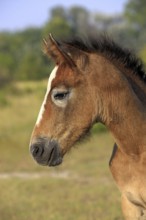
pixel 96 82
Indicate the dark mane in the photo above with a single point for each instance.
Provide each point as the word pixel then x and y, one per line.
pixel 112 51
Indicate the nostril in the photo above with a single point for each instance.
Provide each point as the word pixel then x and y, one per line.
pixel 37 150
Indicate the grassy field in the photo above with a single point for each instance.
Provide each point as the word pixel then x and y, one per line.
pixel 81 188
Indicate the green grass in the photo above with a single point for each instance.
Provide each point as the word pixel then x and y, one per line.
pixel 81 188
pixel 58 199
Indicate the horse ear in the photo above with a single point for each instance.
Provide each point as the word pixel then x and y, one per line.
pixel 53 49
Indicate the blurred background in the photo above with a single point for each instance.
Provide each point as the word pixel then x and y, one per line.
pixel 82 187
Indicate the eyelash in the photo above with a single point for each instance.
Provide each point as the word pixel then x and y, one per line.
pixel 60 95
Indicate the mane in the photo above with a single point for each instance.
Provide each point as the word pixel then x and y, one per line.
pixel 111 50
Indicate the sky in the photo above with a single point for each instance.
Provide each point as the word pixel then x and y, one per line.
pixel 19 14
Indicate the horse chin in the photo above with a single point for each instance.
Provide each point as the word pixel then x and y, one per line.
pixel 85 135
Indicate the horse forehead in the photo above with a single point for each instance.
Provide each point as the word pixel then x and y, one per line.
pixel 51 78
pixel 64 76
pixel 57 75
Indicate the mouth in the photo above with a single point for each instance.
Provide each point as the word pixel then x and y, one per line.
pixel 54 157
pixel 46 152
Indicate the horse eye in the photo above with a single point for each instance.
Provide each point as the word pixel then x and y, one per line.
pixel 61 95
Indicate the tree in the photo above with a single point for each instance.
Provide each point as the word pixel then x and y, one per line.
pixel 7 61
pixel 59 12
pixel 135 11
pixel 58 27
pixel 32 67
pixel 58 24
pixel 79 20
pixel 30 64
pixel 21 56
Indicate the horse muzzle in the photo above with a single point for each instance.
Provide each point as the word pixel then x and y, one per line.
pixel 46 152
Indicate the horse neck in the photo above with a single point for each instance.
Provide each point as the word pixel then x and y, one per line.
pixel 139 88
pixel 129 129
pixel 121 109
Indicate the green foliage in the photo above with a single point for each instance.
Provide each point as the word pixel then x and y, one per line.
pixel 79 19
pixel 143 54
pixel 98 128
pixel 21 56
pixel 58 24
pixel 32 66
pixel 7 61
pixel 135 12
pixel 59 27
